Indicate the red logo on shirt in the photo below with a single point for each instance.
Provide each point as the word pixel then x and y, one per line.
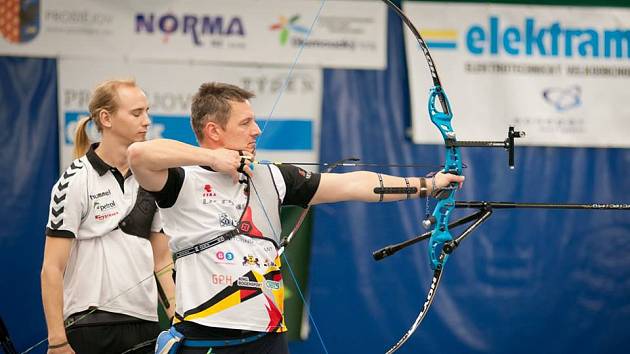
pixel 247 224
pixel 207 194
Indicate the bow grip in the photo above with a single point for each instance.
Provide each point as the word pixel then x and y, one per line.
pixel 440 233
pixel 438 239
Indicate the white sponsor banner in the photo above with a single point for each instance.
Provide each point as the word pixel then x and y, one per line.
pixel 347 34
pixel 291 133
pixel 558 73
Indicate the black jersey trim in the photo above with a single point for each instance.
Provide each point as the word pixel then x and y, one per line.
pixel 59 233
pixel 167 197
pixel 301 185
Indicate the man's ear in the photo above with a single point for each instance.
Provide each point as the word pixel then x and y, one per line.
pixel 213 131
pixel 105 118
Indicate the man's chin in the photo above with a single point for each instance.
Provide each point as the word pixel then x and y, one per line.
pixel 250 151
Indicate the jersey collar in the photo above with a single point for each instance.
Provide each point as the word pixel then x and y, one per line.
pixel 99 165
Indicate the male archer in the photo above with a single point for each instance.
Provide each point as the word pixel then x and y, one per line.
pixel 223 217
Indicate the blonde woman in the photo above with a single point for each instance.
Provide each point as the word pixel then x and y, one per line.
pixel 103 239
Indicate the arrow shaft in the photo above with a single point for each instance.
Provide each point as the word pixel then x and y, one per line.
pixel 514 205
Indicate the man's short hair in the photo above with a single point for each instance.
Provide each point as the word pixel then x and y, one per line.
pixel 212 103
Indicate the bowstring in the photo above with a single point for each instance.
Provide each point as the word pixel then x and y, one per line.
pixel 271 113
pixel 286 261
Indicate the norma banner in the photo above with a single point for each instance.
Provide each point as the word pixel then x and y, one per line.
pixel 347 34
pixel 291 133
pixel 558 73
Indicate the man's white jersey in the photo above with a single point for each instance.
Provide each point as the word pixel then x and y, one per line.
pixel 236 284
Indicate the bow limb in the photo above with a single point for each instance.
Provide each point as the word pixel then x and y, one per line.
pixel 435 282
pixel 440 234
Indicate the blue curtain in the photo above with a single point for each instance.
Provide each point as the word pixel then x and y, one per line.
pixel 30 166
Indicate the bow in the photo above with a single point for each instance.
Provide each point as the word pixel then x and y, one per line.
pixel 441 242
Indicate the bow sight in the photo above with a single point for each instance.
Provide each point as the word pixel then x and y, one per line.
pixel 507 144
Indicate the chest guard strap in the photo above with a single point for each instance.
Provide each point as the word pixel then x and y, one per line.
pixel 205 245
pixel 138 221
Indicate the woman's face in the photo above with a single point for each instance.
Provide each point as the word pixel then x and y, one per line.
pixel 131 121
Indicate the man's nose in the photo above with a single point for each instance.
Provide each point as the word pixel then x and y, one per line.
pixel 257 130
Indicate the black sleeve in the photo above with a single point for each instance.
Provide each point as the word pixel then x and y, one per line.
pixel 59 233
pixel 301 185
pixel 168 195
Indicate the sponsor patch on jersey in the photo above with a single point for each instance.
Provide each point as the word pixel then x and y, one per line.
pixel 104 210
pixel 221 279
pixel 251 261
pixel 100 194
pixel 224 257
pixel 271 284
pixel 225 220
pixel 268 263
pixel 208 194
pixel 246 283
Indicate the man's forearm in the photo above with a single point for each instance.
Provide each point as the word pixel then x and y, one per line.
pixel 150 160
pixel 161 154
pixel 163 268
pixel 360 186
pixel 165 279
pixel 370 186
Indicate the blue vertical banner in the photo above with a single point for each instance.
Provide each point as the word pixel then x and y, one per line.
pixel 29 164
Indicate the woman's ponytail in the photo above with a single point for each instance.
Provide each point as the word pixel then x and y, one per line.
pixel 81 140
pixel 104 97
